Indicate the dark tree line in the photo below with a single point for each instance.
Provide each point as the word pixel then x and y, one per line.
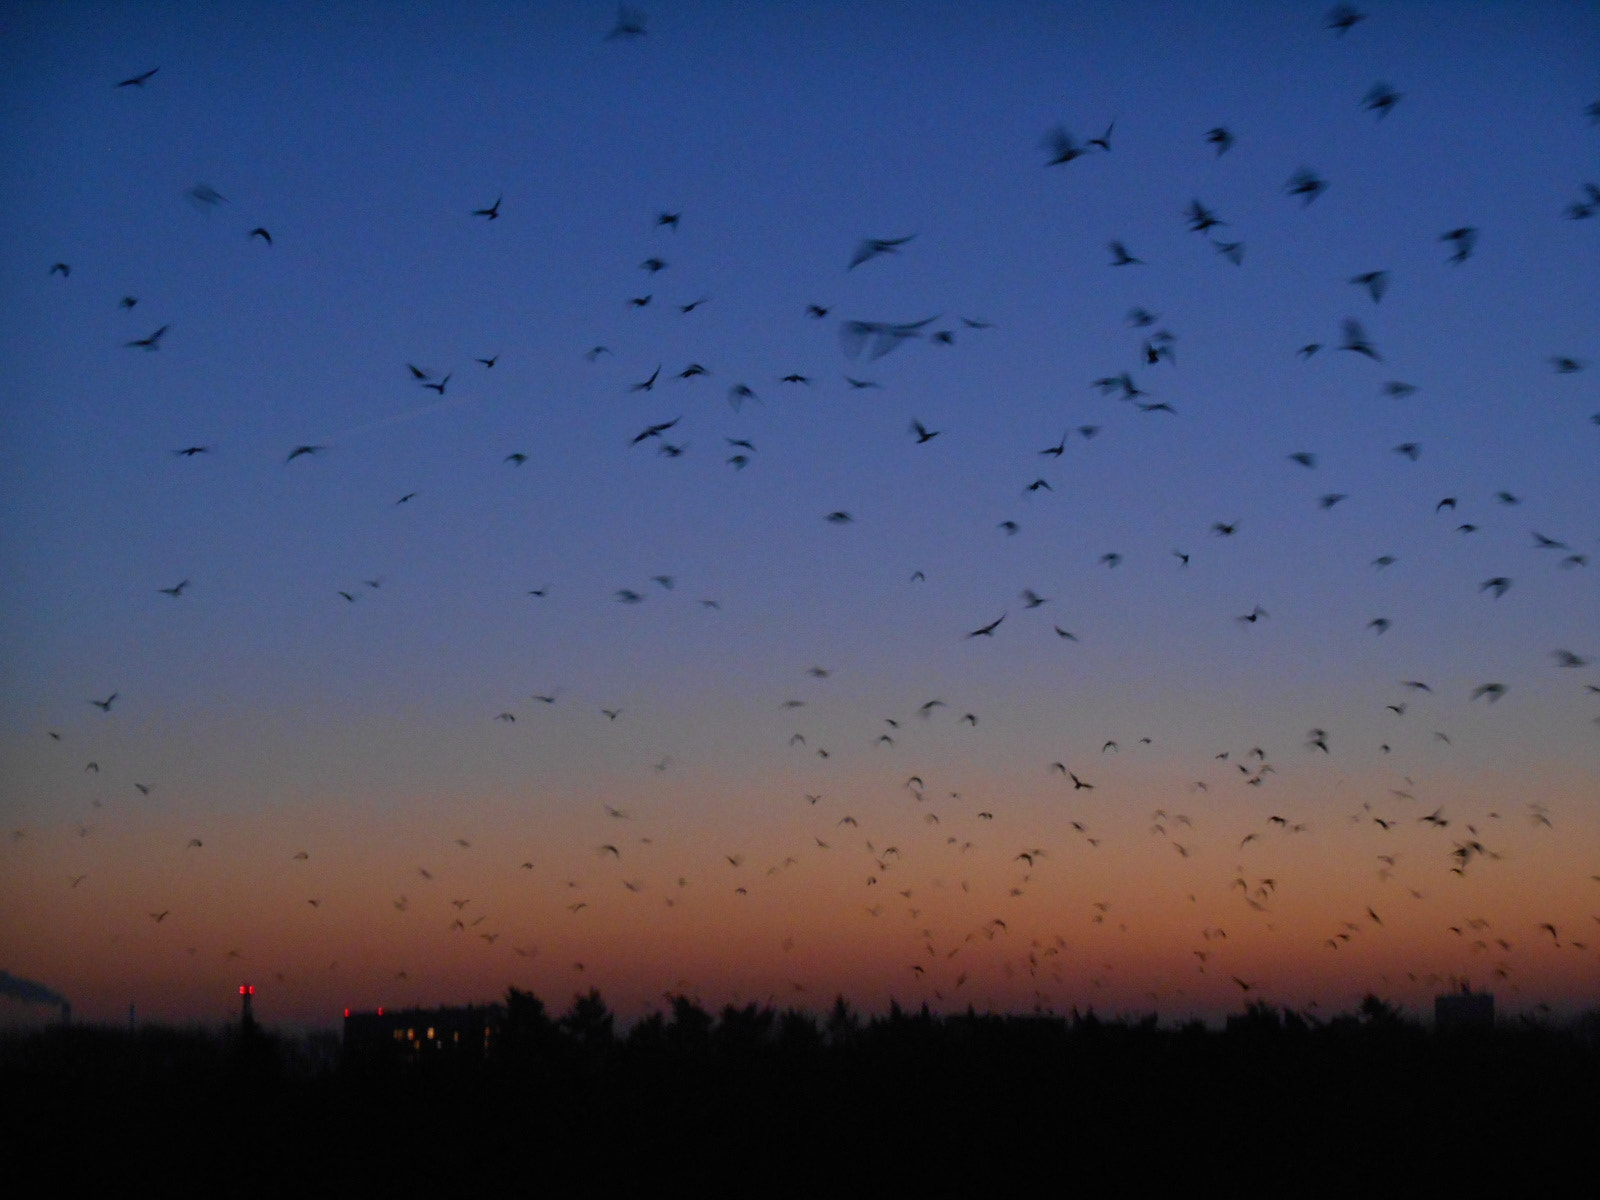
pixel 1370 1100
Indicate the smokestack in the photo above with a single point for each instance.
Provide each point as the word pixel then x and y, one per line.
pixel 14 987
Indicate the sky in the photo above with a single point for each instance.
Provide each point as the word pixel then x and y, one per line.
pixel 620 629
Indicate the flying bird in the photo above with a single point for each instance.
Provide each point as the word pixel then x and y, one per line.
pixel 884 336
pixel 1121 258
pixel 654 431
pixel 1232 251
pixel 1342 19
pixel 1465 239
pixel 153 342
pixel 630 24
pixel 1306 183
pixel 1355 340
pixel 1376 283
pixel 988 630
pixel 1062 146
pixel 1381 99
pixel 1200 218
pixel 871 248
pixel 491 213
pixel 138 80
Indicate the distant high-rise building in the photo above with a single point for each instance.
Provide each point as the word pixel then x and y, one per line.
pixel 418 1034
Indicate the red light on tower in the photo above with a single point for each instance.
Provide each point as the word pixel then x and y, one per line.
pixel 247 1018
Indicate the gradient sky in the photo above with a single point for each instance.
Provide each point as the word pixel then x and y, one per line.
pixel 266 715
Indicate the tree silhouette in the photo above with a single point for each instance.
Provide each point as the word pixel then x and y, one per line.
pixel 691 1025
pixel 589 1022
pixel 843 1023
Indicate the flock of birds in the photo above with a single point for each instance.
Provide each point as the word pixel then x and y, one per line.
pixel 914 864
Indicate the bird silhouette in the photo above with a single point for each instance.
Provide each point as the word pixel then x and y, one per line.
pixel 1200 218
pixel 1376 283
pixel 1062 146
pixel 630 25
pixel 1381 99
pixel 1306 184
pixel 1121 258
pixel 654 431
pixel 153 342
pixel 871 248
pixel 1342 19
pixel 1465 240
pixel 1355 340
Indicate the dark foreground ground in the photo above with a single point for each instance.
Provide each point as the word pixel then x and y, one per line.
pixel 757 1102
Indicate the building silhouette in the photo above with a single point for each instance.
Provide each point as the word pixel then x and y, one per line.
pixel 464 1033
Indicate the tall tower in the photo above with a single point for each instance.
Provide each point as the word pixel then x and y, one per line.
pixel 247 1018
